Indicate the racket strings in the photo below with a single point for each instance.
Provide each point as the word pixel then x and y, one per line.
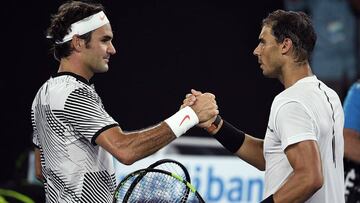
pixel 173 167
pixel 158 187
pixel 165 181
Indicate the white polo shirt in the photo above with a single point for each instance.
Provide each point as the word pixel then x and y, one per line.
pixel 308 110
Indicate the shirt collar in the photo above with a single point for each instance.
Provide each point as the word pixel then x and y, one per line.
pixel 311 78
pixel 78 77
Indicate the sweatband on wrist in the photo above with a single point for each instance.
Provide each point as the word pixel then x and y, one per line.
pixel 182 121
pixel 230 137
pixel 269 199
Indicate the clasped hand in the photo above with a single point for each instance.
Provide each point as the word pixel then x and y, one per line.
pixel 204 105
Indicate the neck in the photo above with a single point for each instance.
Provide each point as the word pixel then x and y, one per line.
pixel 293 72
pixel 70 64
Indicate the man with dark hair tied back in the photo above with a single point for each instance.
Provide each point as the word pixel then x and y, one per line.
pixel 75 138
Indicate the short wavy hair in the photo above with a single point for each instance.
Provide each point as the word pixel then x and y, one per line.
pixel 296 26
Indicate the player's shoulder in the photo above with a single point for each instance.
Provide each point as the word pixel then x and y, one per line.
pixel 298 96
pixel 287 96
pixel 69 83
pixel 64 87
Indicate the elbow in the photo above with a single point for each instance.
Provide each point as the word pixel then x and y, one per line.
pixel 126 158
pixel 318 180
pixel 127 161
pixel 123 152
pixel 261 166
pixel 315 182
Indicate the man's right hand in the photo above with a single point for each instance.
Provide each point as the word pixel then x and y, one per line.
pixel 204 105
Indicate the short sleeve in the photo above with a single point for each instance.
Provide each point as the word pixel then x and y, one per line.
pixel 294 124
pixel 85 112
pixel 352 108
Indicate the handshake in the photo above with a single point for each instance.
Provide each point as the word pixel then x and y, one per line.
pixel 204 105
pixel 197 109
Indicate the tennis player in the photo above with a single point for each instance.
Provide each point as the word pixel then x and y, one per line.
pixel 302 153
pixel 75 137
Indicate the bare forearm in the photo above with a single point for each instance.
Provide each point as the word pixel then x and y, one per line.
pixel 248 148
pixel 298 188
pixel 252 152
pixel 132 146
pixel 148 141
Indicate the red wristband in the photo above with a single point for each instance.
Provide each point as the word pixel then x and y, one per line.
pixel 214 125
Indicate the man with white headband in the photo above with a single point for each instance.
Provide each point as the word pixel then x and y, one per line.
pixel 74 137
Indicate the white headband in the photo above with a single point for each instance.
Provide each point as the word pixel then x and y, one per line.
pixel 86 25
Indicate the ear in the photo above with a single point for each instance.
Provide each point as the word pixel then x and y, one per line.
pixel 77 43
pixel 286 45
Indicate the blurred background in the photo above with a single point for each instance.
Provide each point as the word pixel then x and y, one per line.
pixel 165 48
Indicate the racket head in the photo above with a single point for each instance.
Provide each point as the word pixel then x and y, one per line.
pixel 155 185
pixel 124 185
pixel 172 166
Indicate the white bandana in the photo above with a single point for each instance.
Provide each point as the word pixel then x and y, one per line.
pixel 86 25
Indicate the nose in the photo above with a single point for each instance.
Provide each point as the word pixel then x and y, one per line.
pixel 111 49
pixel 256 51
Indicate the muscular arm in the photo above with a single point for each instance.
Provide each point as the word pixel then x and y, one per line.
pixel 132 146
pixel 251 151
pixel 352 144
pixel 307 177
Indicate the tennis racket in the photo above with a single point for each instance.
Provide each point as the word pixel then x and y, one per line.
pixel 155 185
pixel 173 167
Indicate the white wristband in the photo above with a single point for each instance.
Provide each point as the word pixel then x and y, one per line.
pixel 182 121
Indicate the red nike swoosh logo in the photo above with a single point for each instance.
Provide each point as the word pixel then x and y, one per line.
pixel 186 117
